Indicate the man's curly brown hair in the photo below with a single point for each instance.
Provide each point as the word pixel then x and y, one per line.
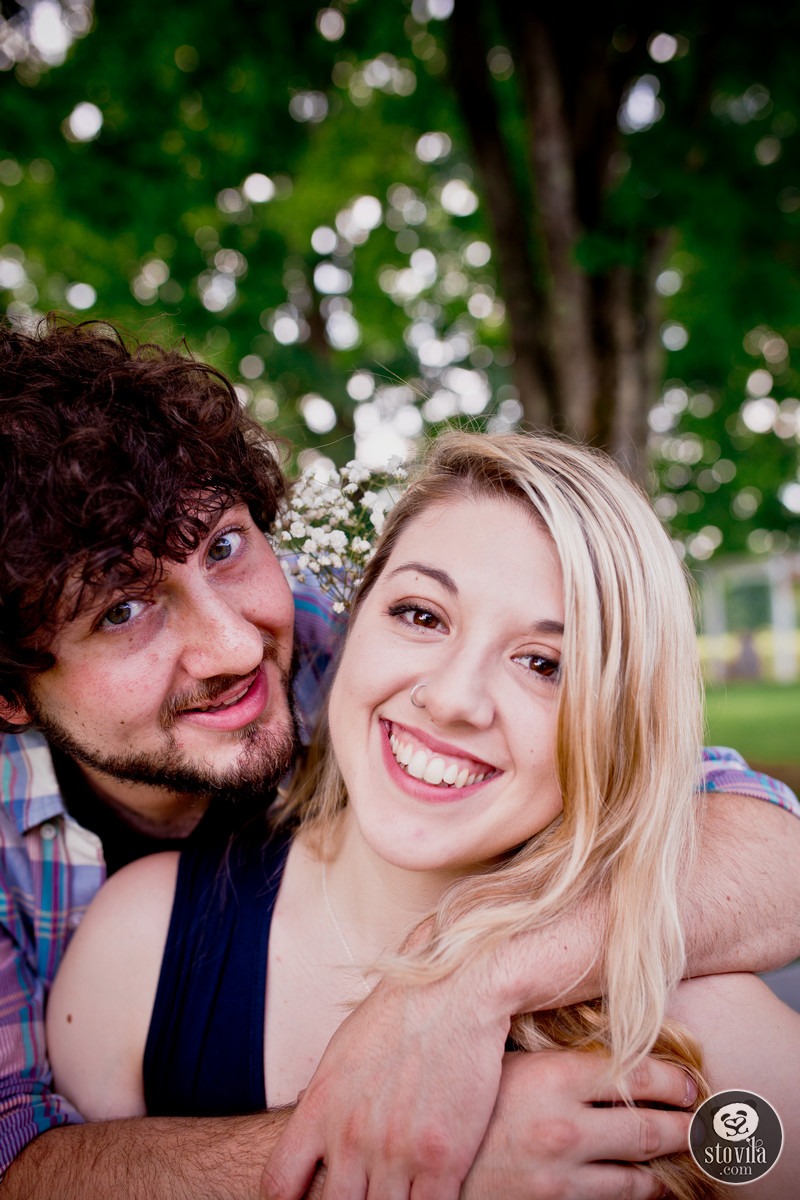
pixel 111 454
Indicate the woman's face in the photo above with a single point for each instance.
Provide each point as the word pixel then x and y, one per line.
pixel 470 603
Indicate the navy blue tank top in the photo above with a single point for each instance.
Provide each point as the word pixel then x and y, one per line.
pixel 205 1046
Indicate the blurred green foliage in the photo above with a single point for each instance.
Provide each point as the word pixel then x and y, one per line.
pixel 154 214
pixel 759 719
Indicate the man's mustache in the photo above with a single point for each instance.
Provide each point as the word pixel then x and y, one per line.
pixel 207 691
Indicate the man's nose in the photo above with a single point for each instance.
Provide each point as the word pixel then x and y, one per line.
pixel 218 639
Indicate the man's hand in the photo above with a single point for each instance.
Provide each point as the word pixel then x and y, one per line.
pixel 547 1138
pixel 401 1100
pixel 412 1116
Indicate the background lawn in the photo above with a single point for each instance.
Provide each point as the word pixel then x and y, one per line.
pixel 761 720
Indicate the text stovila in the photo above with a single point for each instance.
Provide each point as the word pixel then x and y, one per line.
pixel 749 1152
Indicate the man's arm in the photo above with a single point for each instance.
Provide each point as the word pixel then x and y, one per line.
pixel 546 1133
pixel 739 911
pixel 410 1085
pixel 740 907
pixel 148 1158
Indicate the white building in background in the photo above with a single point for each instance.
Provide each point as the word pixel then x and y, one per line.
pixel 730 651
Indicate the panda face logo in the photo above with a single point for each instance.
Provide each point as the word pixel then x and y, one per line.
pixel 735 1122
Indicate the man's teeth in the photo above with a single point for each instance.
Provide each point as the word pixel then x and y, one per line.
pixel 223 704
pixel 432 768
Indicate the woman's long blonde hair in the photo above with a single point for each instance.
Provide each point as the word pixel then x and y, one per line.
pixel 628 742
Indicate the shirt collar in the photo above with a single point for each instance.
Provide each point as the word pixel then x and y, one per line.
pixel 28 783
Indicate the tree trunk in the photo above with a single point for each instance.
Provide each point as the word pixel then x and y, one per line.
pixel 587 351
pixel 569 296
pixel 525 300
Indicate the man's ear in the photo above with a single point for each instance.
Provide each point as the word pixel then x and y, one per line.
pixel 13 714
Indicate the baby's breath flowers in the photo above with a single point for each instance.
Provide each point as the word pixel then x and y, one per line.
pixel 329 526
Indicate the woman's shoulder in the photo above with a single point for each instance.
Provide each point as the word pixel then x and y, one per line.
pixel 99 1010
pixel 145 884
pixel 132 907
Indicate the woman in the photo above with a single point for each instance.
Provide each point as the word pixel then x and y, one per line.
pixel 515 723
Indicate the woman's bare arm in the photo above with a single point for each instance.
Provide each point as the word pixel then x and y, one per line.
pixel 112 966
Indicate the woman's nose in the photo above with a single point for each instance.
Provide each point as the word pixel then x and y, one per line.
pixel 460 690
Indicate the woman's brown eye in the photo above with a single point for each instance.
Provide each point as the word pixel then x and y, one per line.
pixel 426 619
pixel 544 666
pixel 539 664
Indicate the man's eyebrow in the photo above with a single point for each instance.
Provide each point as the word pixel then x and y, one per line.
pixel 442 577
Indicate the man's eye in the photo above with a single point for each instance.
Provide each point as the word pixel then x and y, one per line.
pixel 224 545
pixel 122 613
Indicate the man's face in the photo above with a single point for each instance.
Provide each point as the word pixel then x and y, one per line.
pixel 185 687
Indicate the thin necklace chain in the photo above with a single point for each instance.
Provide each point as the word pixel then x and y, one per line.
pixel 351 957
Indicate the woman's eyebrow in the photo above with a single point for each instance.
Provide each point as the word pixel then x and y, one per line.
pixel 548 626
pixel 545 626
pixel 442 577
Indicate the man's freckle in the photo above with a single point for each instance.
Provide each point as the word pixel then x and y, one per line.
pixel 69 1018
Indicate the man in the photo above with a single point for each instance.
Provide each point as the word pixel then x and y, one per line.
pixel 145 652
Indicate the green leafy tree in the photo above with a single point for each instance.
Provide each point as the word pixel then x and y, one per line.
pixel 382 217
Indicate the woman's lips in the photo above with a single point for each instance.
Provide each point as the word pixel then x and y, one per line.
pixel 433 762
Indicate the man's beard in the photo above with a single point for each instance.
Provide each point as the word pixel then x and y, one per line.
pixel 268 753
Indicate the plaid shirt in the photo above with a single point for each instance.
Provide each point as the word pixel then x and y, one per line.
pixel 50 868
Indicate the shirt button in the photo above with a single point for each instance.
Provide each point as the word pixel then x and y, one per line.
pixel 48 832
pixel 74 920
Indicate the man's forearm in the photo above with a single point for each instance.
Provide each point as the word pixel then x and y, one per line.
pixel 148 1158
pixel 739 910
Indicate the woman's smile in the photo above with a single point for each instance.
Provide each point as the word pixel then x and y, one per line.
pixel 436 764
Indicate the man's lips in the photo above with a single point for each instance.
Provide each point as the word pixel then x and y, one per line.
pixel 239 705
pixel 434 762
pixel 224 699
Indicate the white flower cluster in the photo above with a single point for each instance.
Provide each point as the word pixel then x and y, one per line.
pixel 329 526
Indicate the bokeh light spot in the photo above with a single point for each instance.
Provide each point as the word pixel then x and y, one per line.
pixel 85 122
pixel 662 47
pixel 80 295
pixel 432 147
pixel 458 198
pixel 330 23
pixel 258 188
pixel 318 413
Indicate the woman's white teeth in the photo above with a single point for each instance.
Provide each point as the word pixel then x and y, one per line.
pixel 434 772
pixel 431 768
pixel 418 764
